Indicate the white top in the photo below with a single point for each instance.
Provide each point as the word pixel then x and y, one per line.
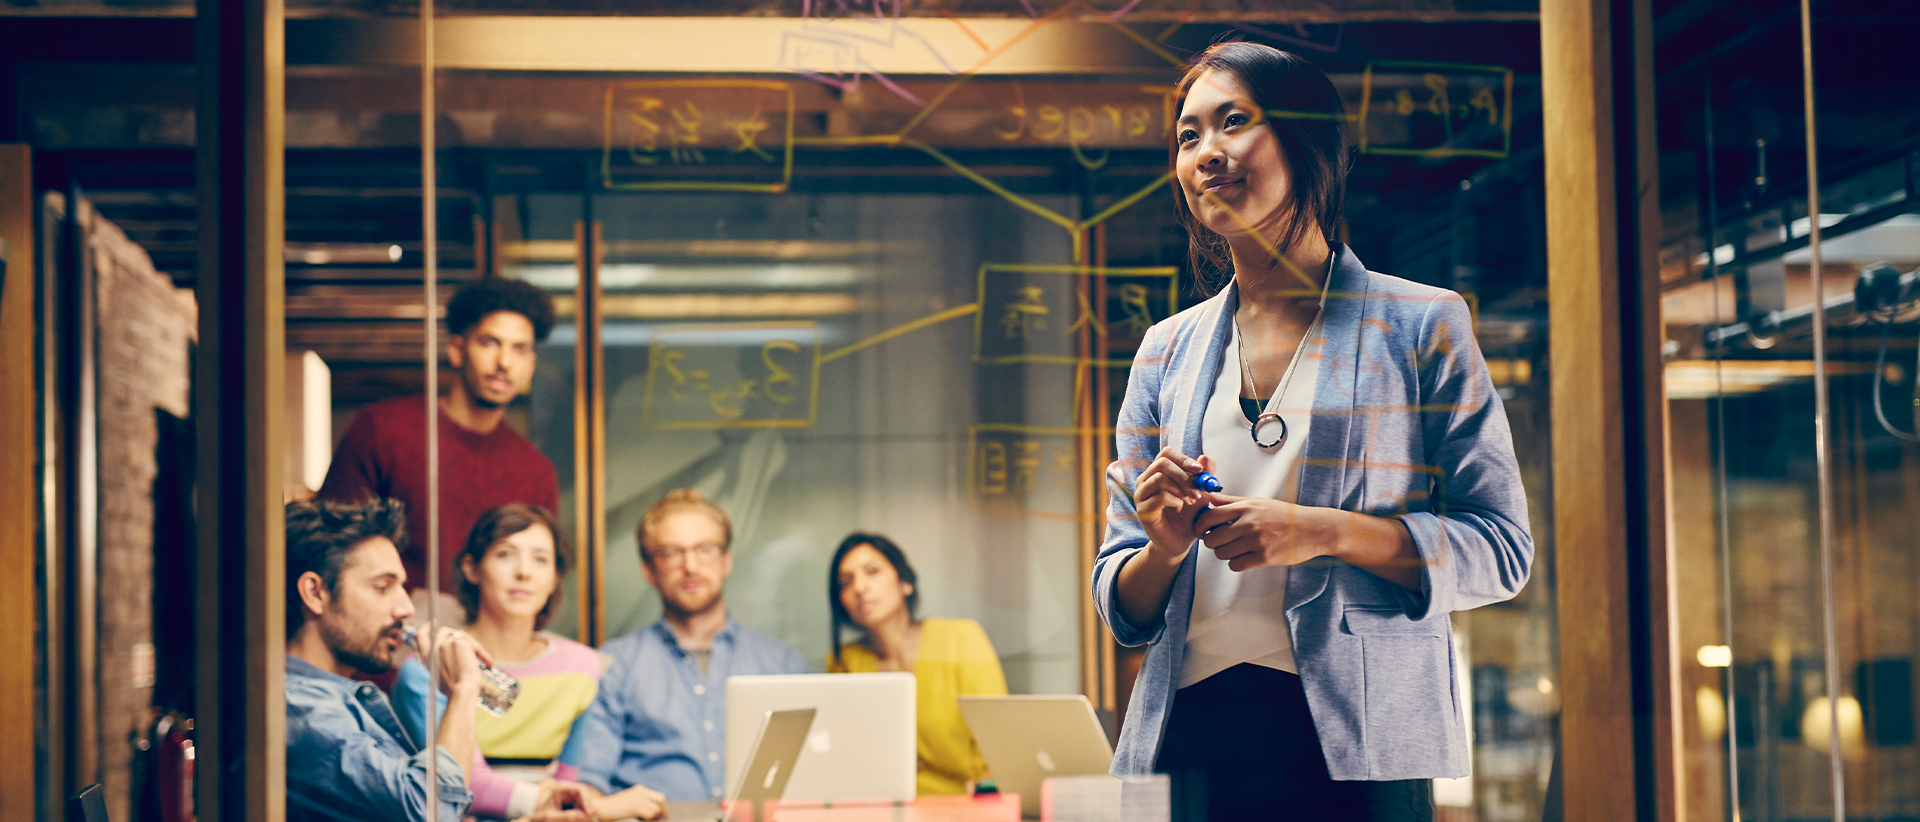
pixel 1241 617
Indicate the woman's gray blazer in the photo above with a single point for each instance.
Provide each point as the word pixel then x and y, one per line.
pixel 1406 424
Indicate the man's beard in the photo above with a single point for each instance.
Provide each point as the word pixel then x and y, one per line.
pixel 476 397
pixel 709 603
pixel 374 657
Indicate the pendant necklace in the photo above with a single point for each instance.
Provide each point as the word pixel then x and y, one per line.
pixel 1253 428
pixel 1279 391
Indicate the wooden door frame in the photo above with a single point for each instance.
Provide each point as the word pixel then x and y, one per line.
pixel 240 649
pixel 19 453
pixel 1617 656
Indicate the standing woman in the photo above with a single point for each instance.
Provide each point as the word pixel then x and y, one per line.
pixel 870 587
pixel 1300 661
pixel 509 584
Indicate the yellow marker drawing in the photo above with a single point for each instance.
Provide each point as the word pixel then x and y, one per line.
pixel 1007 465
pixel 706 400
pixel 994 187
pixel 975 69
pixel 906 328
pixel 1149 45
pixel 686 124
pixel 1435 71
pixel 1080 307
pixel 1311 288
pixel 1128 201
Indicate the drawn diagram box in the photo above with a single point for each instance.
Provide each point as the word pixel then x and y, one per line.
pixel 1436 110
pixel 1022 470
pixel 1037 313
pixel 698 135
pixel 748 375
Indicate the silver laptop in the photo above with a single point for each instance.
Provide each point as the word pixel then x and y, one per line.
pixel 1027 739
pixel 862 743
pixel 778 739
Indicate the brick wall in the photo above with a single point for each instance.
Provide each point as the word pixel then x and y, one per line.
pixel 144 328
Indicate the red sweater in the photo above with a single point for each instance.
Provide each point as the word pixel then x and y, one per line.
pixel 384 454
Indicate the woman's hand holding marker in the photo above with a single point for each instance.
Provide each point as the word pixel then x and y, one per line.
pixel 1169 496
pixel 1180 501
pixel 1256 532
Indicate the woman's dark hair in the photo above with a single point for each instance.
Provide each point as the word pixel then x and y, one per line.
pixel 474 301
pixel 1305 111
pixel 498 524
pixel 320 535
pixel 895 557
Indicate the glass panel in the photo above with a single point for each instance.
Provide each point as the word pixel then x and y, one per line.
pixel 887 273
pixel 533 237
pixel 771 389
pixel 1759 632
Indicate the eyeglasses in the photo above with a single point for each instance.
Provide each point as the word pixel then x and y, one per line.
pixel 705 552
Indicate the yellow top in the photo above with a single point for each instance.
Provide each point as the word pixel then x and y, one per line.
pixel 542 717
pixel 955 658
pixel 556 689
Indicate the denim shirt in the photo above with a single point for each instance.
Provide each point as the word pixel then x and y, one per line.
pixel 349 759
pixel 659 722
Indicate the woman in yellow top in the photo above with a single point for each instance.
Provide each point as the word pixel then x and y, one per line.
pixel 871 587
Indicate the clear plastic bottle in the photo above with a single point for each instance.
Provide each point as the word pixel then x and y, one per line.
pixel 496 694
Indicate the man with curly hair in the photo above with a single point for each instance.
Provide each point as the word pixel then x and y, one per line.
pixel 492 328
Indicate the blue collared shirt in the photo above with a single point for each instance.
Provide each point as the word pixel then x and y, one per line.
pixel 659 722
pixel 349 759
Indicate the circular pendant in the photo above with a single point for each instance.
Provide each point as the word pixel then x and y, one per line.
pixel 1263 420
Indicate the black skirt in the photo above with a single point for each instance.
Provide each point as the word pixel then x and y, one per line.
pixel 1240 745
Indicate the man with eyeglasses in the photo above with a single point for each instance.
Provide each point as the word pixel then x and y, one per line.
pixel 657 730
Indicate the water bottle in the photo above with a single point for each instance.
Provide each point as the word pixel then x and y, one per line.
pixel 496 699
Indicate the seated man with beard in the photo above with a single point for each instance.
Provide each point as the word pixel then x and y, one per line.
pixel 348 757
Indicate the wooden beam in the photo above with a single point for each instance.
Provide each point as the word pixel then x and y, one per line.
pixel 590 322
pixel 590 433
pixel 18 453
pixel 240 715
pixel 1614 572
pixel 52 735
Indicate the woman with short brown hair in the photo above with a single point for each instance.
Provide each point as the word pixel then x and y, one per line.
pixel 509 583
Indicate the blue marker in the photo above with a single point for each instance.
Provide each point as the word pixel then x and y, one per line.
pixel 1206 481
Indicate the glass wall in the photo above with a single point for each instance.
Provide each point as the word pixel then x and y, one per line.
pixel 1782 626
pixel 872 271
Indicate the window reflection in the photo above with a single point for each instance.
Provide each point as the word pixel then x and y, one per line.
pixel 839 330
pixel 1737 296
pixel 844 293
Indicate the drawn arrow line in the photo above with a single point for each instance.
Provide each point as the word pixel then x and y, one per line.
pixel 1149 45
pixel 908 328
pixel 975 69
pixel 996 188
pixel 1122 205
